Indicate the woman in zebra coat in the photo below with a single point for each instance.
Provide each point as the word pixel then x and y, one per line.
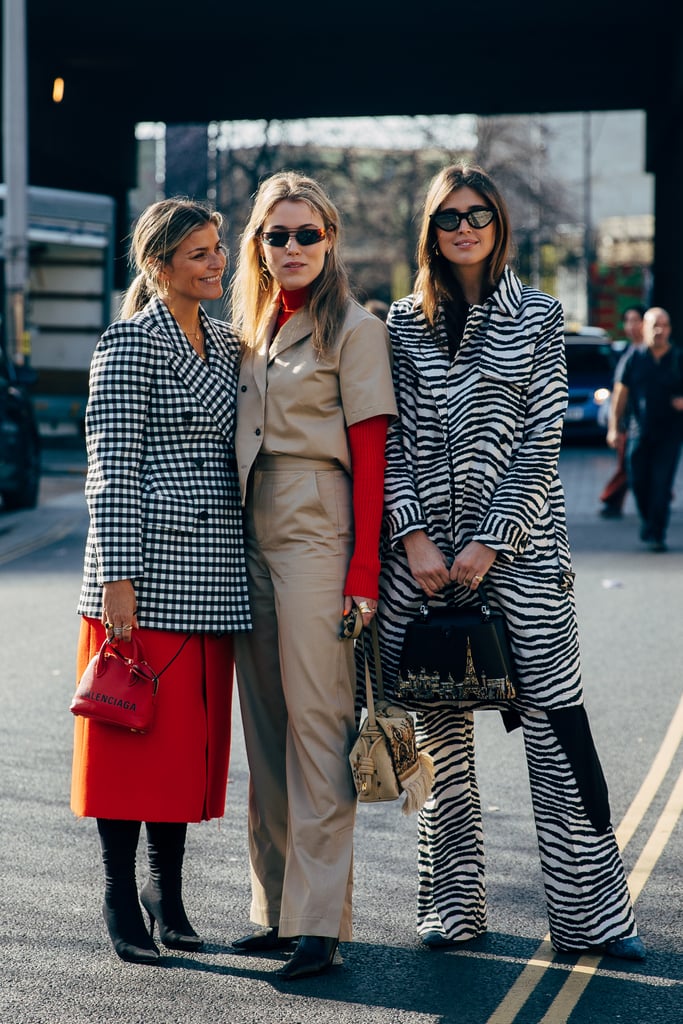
pixel 472 491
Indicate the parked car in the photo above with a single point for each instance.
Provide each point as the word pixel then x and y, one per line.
pixel 591 362
pixel 19 442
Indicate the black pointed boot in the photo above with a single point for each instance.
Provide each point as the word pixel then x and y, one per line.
pixel 121 910
pixel 161 895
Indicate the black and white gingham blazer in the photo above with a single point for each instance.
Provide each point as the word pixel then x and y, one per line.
pixel 162 486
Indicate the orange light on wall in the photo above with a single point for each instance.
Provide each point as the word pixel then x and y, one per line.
pixel 58 90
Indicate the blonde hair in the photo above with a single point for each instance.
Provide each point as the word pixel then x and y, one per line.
pixel 253 287
pixel 434 281
pixel 160 229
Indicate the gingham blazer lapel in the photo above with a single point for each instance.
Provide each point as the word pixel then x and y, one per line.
pixel 208 381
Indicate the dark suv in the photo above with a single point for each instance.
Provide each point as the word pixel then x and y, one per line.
pixel 591 362
pixel 19 442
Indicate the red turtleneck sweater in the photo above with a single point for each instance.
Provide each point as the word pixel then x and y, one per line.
pixel 366 442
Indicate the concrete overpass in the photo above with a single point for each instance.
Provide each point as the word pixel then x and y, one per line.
pixel 131 60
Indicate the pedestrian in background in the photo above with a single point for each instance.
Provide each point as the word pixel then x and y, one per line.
pixel 315 396
pixel 377 307
pixel 649 391
pixel 164 561
pixel 615 490
pixel 473 493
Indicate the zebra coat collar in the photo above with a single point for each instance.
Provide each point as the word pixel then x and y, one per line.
pixel 505 354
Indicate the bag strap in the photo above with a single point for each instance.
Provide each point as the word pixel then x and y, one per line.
pixel 369 696
pixel 138 660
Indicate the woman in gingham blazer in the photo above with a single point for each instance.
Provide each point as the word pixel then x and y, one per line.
pixel 164 559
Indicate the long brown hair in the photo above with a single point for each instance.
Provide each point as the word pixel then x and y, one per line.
pixel 160 229
pixel 434 281
pixel 253 288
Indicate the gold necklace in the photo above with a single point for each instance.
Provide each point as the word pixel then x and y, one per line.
pixel 196 333
pixel 192 337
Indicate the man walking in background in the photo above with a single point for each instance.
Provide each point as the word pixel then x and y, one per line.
pixel 615 490
pixel 649 387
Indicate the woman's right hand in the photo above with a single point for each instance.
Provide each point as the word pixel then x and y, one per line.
pixel 426 562
pixel 119 606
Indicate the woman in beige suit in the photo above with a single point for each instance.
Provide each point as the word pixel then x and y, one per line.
pixel 315 396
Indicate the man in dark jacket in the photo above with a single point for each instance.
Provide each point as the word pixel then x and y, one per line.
pixel 649 385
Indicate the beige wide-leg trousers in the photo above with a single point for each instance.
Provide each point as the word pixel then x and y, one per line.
pixel 296 685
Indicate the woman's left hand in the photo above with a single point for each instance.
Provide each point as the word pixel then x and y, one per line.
pixel 367 606
pixel 470 567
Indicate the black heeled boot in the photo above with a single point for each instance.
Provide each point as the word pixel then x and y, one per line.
pixel 121 910
pixel 313 955
pixel 161 895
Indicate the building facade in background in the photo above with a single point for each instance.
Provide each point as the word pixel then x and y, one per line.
pixel 581 201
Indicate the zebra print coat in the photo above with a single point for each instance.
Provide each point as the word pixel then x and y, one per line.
pixel 473 456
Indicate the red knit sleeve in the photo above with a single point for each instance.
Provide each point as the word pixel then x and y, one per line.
pixel 366 441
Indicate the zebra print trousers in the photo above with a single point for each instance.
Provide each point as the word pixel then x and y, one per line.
pixel 586 892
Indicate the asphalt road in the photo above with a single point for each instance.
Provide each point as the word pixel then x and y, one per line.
pixel 56 963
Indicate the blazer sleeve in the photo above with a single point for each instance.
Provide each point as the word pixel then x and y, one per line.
pixel 122 373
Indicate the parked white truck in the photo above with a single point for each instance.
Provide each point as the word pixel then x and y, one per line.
pixel 69 295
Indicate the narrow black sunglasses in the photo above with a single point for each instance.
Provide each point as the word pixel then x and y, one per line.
pixel 449 220
pixel 304 236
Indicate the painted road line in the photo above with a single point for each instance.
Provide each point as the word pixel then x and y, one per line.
pixel 655 777
pixel 586 966
pixel 575 985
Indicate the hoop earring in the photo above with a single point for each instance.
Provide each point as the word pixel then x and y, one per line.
pixel 166 287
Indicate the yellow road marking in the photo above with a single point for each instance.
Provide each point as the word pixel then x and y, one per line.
pixel 573 988
pixel 653 780
pixel 586 966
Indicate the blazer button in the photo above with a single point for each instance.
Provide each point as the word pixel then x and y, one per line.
pixel 243 388
pixel 186 416
pixel 203 515
pixel 258 431
pixel 199 463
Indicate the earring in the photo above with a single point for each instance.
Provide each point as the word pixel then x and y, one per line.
pixel 263 277
pixel 166 287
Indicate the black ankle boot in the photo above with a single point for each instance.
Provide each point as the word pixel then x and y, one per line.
pixel 121 910
pixel 313 955
pixel 161 895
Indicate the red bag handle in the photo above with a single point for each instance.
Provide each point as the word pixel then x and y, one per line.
pixel 136 664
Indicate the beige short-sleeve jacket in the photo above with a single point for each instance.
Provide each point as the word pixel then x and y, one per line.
pixel 290 401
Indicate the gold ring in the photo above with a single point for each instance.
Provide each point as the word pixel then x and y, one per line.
pixel 365 607
pixel 467 583
pixel 109 625
pixel 480 578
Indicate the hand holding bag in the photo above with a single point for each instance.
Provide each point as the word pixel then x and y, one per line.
pixel 384 759
pixel 457 656
pixel 116 689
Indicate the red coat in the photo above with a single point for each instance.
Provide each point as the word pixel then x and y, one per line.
pixel 179 770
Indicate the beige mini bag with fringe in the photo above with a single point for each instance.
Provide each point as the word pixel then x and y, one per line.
pixel 384 759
